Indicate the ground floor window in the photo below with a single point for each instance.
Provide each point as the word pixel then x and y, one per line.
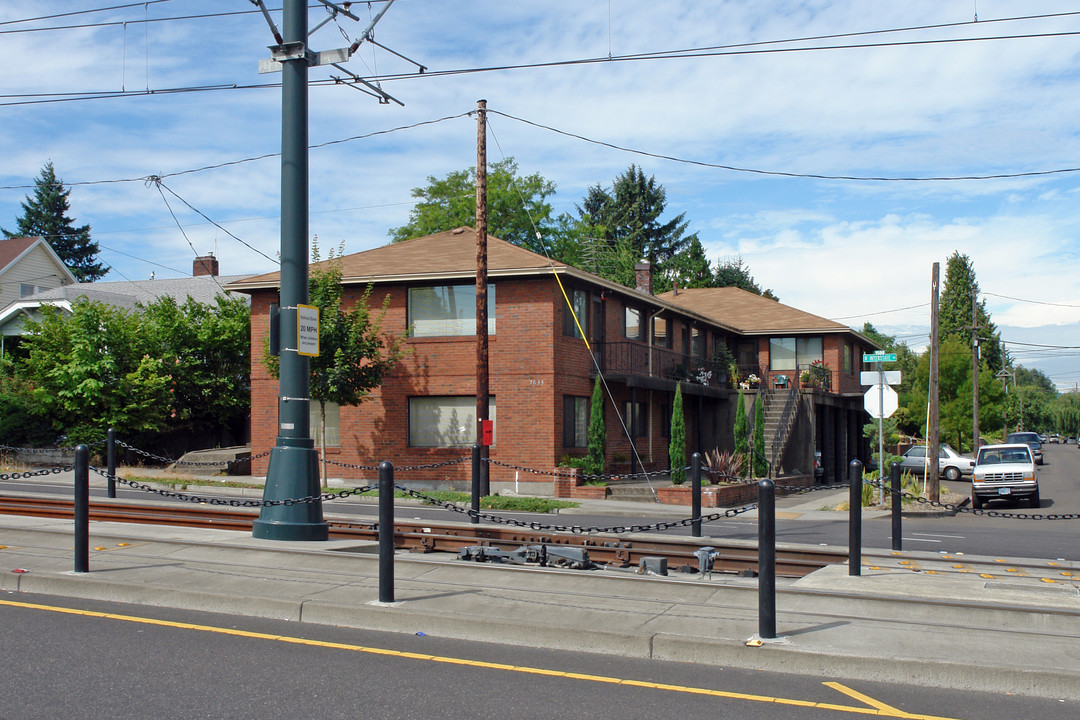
pixel 575 421
pixel 333 423
pixel 445 420
pixel 636 417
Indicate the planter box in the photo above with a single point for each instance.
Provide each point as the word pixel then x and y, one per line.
pixel 589 492
pixel 711 496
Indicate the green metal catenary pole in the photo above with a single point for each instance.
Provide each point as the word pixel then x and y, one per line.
pixel 293 470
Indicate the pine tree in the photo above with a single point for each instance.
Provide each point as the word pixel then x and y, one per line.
pixel 45 215
pixel 677 447
pixel 954 312
pixel 761 465
pixel 630 213
pixel 741 429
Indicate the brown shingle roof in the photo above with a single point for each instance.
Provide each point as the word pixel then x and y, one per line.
pixel 749 313
pixel 13 248
pixel 443 255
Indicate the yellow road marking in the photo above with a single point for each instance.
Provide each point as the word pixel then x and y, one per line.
pixel 855 694
pixel 876 708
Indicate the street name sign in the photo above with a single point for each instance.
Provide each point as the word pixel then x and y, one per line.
pixel 874 377
pixel 879 357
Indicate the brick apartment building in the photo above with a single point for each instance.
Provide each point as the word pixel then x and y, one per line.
pixel 542 371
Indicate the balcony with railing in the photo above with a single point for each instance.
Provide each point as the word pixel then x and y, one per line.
pixel 636 359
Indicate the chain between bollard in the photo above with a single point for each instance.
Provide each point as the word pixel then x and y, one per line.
pixel 904 495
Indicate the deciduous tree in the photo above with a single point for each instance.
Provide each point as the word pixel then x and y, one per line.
pixel 517 206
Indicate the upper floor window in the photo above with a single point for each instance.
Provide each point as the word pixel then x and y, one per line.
pixel 579 302
pixel 661 332
pixel 28 289
pixel 793 353
pixel 697 342
pixel 632 323
pixel 447 310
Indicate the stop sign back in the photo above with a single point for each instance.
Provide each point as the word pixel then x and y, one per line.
pixel 880 397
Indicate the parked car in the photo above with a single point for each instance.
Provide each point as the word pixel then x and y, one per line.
pixel 1005 472
pixel 951 464
pixel 1030 439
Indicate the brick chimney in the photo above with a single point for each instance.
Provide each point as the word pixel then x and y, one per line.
pixel 643 277
pixel 205 265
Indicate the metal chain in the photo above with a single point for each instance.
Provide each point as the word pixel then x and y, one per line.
pixel 234 502
pixel 43 451
pixel 37 473
pixel 961 509
pixel 188 463
pixel 588 477
pixel 405 468
pixel 575 529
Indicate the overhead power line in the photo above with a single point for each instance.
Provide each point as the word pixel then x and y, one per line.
pixel 782 173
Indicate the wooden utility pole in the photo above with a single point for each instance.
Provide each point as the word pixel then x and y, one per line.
pixel 482 394
pixel 933 434
pixel 975 372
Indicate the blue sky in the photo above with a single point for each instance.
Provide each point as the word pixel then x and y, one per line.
pixel 925 102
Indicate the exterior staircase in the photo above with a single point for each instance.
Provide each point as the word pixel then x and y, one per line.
pixel 780 408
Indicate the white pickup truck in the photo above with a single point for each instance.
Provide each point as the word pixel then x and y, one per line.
pixel 1004 472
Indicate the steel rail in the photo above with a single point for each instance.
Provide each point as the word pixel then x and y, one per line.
pixel 448 537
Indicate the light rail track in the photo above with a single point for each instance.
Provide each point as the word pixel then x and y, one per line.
pixel 426 536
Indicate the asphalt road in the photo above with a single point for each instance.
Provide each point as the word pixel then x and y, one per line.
pixel 139 662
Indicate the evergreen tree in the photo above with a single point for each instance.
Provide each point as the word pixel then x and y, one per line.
pixel 677 446
pixel 733 272
pixel 741 428
pixel 690 268
pixel 954 311
pixel 45 215
pixel 594 464
pixel 630 213
pixel 761 465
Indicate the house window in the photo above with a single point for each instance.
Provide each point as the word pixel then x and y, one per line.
pixel 333 423
pixel 847 358
pixel 447 310
pixel 575 421
pixel 632 324
pixel 636 418
pixel 697 342
pixel 808 350
pixel 782 353
pixel 793 353
pixel 445 421
pixel 579 301
pixel 28 289
pixel 661 331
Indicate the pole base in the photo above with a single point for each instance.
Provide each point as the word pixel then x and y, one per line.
pixel 293 473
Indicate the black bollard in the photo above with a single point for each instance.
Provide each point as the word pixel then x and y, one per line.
pixel 82 509
pixel 386 531
pixel 855 518
pixel 897 532
pixel 695 503
pixel 110 461
pixel 474 516
pixel 766 559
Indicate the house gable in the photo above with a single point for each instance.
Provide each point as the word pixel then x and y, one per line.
pixel 28 266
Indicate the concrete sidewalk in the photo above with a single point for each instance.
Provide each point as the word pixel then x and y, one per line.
pixel 919 618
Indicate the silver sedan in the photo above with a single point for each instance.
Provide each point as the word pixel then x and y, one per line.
pixel 951 464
